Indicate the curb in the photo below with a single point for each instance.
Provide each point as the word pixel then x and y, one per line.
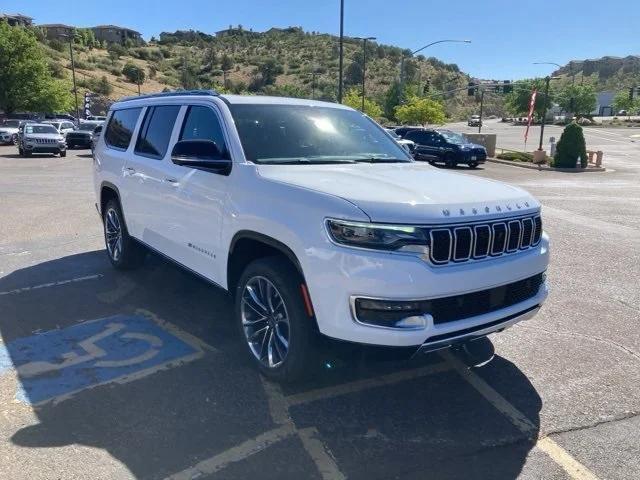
pixel 545 168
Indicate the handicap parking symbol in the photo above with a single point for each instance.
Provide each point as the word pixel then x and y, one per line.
pixel 59 363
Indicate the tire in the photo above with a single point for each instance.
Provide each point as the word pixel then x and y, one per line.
pixel 275 278
pixel 449 161
pixel 123 251
pixel 473 165
pixel 63 153
pixel 21 152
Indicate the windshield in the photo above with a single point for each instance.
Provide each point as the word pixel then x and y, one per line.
pixel 11 123
pixel 309 134
pixel 453 137
pixel 40 129
pixel 393 133
pixel 87 127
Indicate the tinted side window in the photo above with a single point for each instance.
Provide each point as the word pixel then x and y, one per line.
pixel 120 129
pixel 201 123
pixel 156 129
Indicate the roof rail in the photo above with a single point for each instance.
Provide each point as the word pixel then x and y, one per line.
pixel 176 93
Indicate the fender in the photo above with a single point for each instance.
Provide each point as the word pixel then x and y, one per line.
pixel 272 242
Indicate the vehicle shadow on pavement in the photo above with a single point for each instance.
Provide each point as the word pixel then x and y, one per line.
pixel 161 421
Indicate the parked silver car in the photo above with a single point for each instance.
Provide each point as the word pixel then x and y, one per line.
pixel 41 138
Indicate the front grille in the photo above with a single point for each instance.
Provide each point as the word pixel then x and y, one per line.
pixel 455 244
pixel 45 141
pixel 459 307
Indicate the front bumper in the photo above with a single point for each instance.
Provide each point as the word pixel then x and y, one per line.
pixel 79 141
pixel 337 274
pixel 45 148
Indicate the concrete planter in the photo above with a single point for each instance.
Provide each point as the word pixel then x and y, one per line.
pixel 532 166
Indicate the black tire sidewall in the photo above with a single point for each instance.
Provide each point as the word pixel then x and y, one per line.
pixel 287 281
pixel 132 253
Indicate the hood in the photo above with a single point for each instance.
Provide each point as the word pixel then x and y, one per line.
pixel 80 132
pixel 470 145
pixel 9 129
pixel 408 193
pixel 51 136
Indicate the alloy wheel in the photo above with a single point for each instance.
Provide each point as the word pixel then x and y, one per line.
pixel 113 234
pixel 265 321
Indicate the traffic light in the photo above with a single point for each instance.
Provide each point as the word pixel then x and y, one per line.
pixel 471 90
pixel 427 86
pixel 507 87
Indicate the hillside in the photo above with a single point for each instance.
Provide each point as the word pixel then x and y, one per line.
pixel 286 61
pixel 606 73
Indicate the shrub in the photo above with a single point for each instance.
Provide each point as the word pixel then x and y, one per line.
pixel 133 73
pixel 516 156
pixel 570 147
pixel 57 45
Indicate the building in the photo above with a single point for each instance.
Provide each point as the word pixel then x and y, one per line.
pixel 115 34
pixel 16 20
pixel 57 31
pixel 604 104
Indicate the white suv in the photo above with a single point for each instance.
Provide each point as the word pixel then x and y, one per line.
pixel 317 222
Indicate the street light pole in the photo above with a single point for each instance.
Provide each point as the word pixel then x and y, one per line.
pixel 73 73
pixel 364 64
pixel 547 80
pixel 341 60
pixel 419 50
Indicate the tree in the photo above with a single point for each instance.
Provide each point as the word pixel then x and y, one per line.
pixel 420 111
pixel 622 101
pixel 25 78
pixel 353 99
pixel 115 52
pixel 517 102
pixel 133 73
pixel 579 99
pixel 269 70
pixel 226 64
pixel 571 146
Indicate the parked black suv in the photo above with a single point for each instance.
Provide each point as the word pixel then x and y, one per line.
pixel 446 146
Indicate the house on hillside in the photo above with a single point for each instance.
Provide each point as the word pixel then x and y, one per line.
pixel 16 19
pixel 115 34
pixel 57 31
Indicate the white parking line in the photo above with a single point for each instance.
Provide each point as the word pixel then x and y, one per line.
pixel 359 385
pixel 235 454
pixel 570 465
pixel 320 455
pixel 51 284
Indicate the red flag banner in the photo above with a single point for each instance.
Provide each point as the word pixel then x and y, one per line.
pixel 532 105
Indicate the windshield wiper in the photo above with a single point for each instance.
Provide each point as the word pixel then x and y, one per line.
pixel 380 160
pixel 302 161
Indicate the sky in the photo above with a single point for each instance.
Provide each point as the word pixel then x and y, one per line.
pixel 507 35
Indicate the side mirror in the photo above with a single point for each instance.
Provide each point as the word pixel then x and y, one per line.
pixel 201 154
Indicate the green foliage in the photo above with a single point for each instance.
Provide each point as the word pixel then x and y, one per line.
pixel 116 51
pixel 580 99
pixel 420 111
pixel 571 146
pixel 269 71
pixel 226 64
pixel 57 45
pixel 285 91
pixel 622 102
pixel 353 99
pixel 133 73
pixel 516 156
pixel 25 78
pixel 517 102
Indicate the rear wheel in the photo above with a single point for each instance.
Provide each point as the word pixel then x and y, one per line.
pixel 123 251
pixel 449 160
pixel 274 324
pixel 21 151
pixel 473 164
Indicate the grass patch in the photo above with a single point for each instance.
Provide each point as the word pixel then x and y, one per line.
pixel 516 156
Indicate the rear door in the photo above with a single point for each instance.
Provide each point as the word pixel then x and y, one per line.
pixel 145 177
pixel 425 148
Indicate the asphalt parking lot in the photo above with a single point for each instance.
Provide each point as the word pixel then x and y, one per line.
pixel 140 374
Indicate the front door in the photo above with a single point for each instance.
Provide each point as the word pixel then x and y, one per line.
pixel 195 199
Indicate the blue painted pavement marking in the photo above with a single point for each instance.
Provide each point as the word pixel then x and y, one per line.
pixel 58 363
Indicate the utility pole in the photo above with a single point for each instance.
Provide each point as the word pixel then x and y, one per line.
pixel 481 107
pixel 341 60
pixel 314 74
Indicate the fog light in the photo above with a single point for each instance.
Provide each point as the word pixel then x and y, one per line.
pixel 391 313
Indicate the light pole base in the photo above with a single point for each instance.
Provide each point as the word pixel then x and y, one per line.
pixel 539 156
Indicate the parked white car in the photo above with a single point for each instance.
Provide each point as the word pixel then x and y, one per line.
pixel 9 132
pixel 408 145
pixel 317 222
pixel 62 126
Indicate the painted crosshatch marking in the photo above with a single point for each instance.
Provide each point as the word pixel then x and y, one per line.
pixel 58 363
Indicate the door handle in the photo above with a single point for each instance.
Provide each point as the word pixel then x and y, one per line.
pixel 171 181
pixel 129 170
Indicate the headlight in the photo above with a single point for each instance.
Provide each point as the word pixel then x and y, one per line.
pixel 378 236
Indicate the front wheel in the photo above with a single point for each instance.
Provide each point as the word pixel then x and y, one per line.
pixel 63 153
pixel 473 164
pixel 274 325
pixel 449 161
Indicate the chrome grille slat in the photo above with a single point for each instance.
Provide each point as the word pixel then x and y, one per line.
pixel 479 241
